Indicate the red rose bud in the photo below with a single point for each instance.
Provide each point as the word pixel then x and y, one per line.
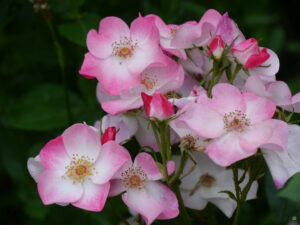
pixel 157 106
pixel 216 47
pixel 249 54
pixel 108 135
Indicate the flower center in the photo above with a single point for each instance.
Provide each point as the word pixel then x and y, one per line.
pixel 134 177
pixel 149 81
pixel 173 32
pixel 173 94
pixel 207 180
pixel 79 168
pixel 124 48
pixel 189 142
pixel 236 121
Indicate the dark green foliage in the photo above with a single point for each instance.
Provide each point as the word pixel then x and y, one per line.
pixel 32 104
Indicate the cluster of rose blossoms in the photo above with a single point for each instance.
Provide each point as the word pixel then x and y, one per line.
pixel 201 101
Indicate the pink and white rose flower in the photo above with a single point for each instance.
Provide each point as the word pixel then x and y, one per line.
pixel 238 123
pixel 143 193
pixel 75 168
pixel 118 54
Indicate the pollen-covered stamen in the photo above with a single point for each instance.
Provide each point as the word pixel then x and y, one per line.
pixel 189 142
pixel 173 32
pixel 207 180
pixel 134 177
pixel 236 121
pixel 149 81
pixel 79 168
pixel 124 48
pixel 173 94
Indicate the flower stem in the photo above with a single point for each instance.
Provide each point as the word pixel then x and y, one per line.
pixel 61 64
pixel 214 75
pixel 240 195
pixel 184 216
pixel 163 149
pixel 161 142
pixel 168 143
pixel 237 69
pixel 183 160
pixel 237 214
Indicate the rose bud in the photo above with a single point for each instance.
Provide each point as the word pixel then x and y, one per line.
pixel 249 54
pixel 157 106
pixel 216 47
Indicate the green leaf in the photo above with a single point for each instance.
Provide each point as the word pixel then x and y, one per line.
pixel 282 209
pixel 76 31
pixel 230 194
pixel 41 109
pixel 292 190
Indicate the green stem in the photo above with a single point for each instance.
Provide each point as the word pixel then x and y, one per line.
pixel 184 216
pixel 155 134
pixel 183 160
pixel 236 182
pixel 240 196
pixel 61 64
pixel 163 149
pixel 117 212
pixel 237 69
pixel 168 143
pixel 214 75
pixel 160 144
pixel 237 214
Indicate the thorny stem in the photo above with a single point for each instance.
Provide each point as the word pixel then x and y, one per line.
pixel 61 63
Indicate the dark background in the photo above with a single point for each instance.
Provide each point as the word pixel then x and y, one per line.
pixel 32 103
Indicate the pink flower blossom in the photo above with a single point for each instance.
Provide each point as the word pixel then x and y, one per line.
pixel 118 55
pixel 238 123
pixel 157 106
pixel 167 33
pixel 277 91
pixel 144 194
pixel 229 31
pixel 283 165
pixel 162 78
pixel 75 168
pixel 216 47
pixel 198 34
pixel 249 54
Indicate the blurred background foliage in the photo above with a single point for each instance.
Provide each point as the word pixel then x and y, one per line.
pixel 32 103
